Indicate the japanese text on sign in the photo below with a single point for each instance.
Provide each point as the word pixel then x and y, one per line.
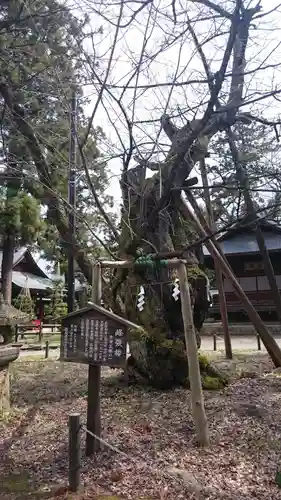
pixel 94 341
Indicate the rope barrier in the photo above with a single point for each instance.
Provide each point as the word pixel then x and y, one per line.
pixel 102 441
pixel 139 460
pixel 75 455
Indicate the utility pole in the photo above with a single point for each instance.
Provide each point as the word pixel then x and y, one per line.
pixel 242 178
pixel 219 278
pixel 72 202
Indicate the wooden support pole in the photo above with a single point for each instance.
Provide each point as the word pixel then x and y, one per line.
pixel 74 452
pixel 215 341
pixel 96 284
pixel 219 275
pixel 94 380
pixel 197 398
pixel 223 311
pixel 268 340
pixel 93 410
pixel 259 342
pixel 219 278
pixel 47 349
pixel 129 264
pixel 40 332
pixel 202 220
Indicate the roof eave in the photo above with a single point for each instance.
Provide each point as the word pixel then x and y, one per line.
pixel 104 311
pixel 238 227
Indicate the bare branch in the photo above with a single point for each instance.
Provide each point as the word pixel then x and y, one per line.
pixel 203 81
pixel 239 60
pixel 220 10
pixel 90 123
pixel 94 193
pixel 268 12
pixel 198 46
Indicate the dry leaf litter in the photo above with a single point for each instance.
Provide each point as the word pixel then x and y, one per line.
pixel 155 431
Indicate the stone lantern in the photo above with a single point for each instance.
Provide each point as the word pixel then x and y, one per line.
pixel 9 317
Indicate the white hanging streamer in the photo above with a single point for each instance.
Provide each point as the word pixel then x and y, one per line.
pixel 176 290
pixel 141 299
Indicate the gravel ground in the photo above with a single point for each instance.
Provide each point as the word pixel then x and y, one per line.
pixel 239 343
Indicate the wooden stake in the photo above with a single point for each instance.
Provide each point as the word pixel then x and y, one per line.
pixel 219 279
pixel 74 452
pixel 197 397
pixel 41 332
pixel 215 341
pixel 96 284
pixel 47 349
pixel 268 340
pixel 94 380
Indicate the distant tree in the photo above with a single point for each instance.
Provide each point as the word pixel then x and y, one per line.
pixel 41 61
pixel 57 307
pixel 261 159
pixel 20 220
pixel 88 217
pixel 25 303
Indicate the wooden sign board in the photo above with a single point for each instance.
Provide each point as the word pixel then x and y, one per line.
pixel 94 336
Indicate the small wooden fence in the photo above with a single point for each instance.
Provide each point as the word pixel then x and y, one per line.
pixel 41 330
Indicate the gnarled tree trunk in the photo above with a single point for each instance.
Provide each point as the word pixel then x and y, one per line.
pixel 157 355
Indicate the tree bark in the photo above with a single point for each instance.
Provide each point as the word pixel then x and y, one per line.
pixel 7 266
pixel 162 344
pixel 9 239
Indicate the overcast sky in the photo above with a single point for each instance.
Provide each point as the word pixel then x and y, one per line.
pixel 178 62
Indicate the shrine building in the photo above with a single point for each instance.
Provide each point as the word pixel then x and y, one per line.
pixel 240 247
pixel 29 275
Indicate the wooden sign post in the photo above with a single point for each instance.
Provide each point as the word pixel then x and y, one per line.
pixel 96 337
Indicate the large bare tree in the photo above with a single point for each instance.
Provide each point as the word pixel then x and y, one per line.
pixel 166 77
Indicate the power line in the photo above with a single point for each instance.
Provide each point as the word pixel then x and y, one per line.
pixel 72 203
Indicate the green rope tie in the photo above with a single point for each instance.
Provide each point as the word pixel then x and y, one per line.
pixel 148 262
